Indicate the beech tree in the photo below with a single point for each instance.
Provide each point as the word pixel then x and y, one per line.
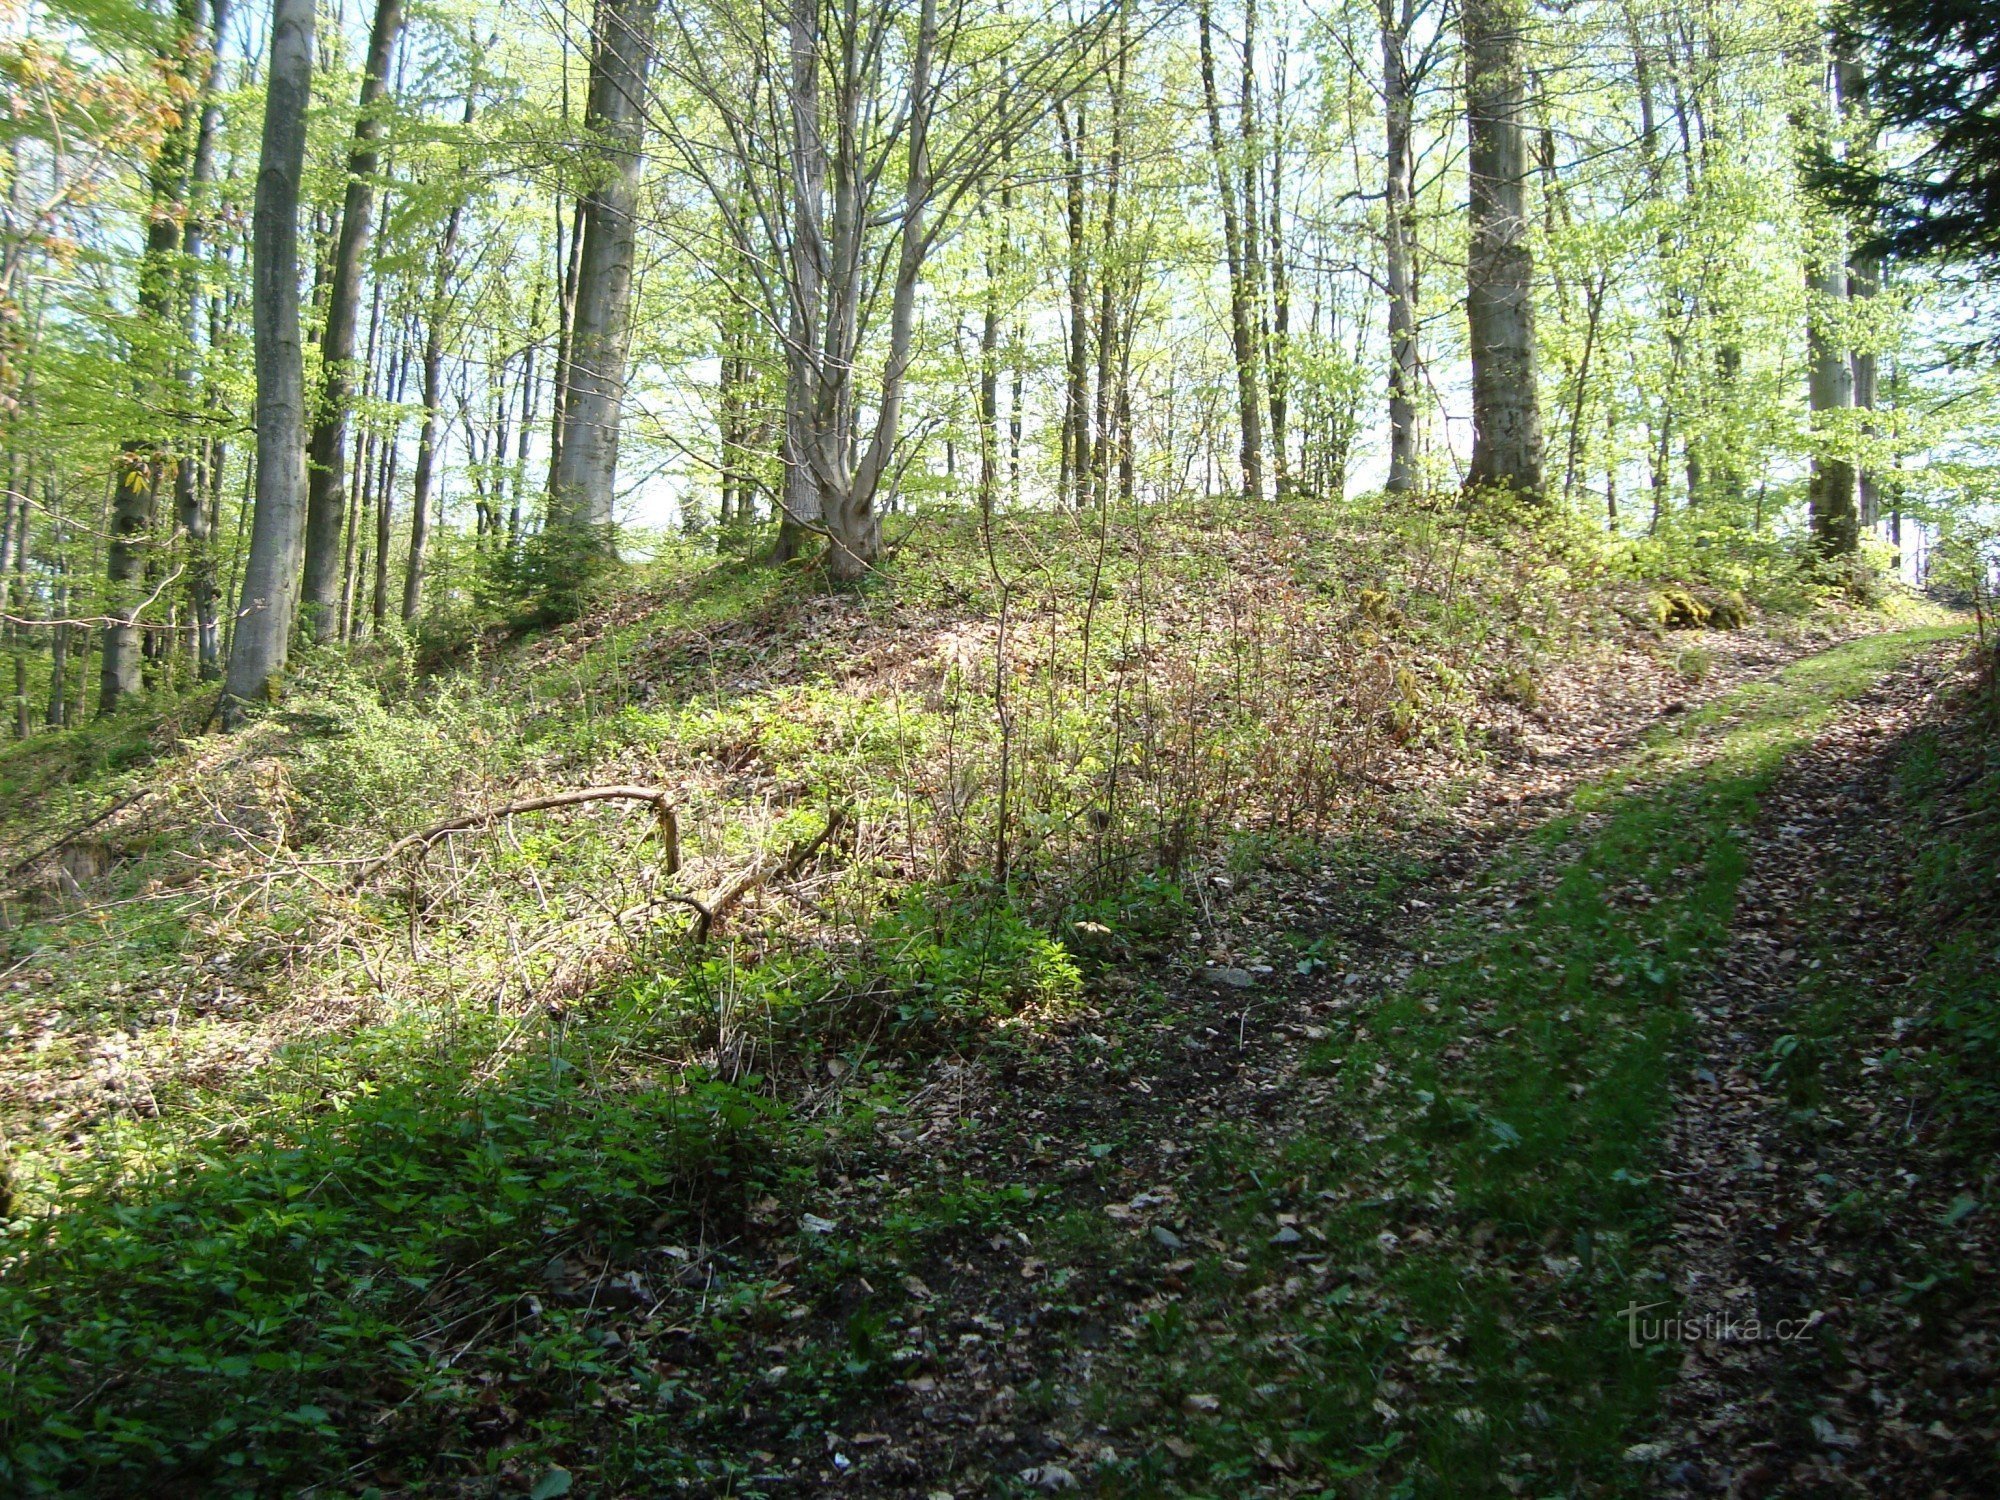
pixel 583 486
pixel 277 529
pixel 326 481
pixel 1499 301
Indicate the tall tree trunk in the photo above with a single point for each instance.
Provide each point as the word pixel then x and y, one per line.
pixel 1073 478
pixel 802 502
pixel 433 376
pixel 853 515
pixel 1108 339
pixel 517 480
pixel 1499 305
pixel 191 473
pixel 59 647
pixel 1243 344
pixel 277 533
pixel 1833 508
pixel 427 446
pixel 586 476
pixel 326 506
pixel 139 465
pixel 1017 391
pixel 1279 342
pixel 1832 501
pixel 566 266
pixel 385 504
pixel 989 362
pixel 1249 128
pixel 1864 276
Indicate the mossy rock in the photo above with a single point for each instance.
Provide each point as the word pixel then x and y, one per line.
pixel 1677 609
pixel 1711 609
pixel 1377 606
pixel 1728 611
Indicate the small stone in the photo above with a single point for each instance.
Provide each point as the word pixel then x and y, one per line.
pixel 1049 1477
pixel 1286 1236
pixel 1167 1238
pixel 1235 979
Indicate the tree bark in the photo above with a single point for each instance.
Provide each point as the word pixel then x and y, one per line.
pixel 191 473
pixel 1073 478
pixel 1499 303
pixel 385 502
pixel 326 504
pixel 587 472
pixel 1864 277
pixel 1104 414
pixel 1278 343
pixel 1833 510
pixel 1398 108
pixel 806 251
pixel 1243 343
pixel 433 375
pixel 139 465
pixel 277 533
pixel 854 523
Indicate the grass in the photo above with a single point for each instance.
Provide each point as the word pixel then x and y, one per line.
pixel 1482 1207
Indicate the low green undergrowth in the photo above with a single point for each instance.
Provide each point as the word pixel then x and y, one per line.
pixel 265 1311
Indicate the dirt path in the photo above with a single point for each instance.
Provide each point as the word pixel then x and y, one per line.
pixel 1099 1121
pixel 1813 1201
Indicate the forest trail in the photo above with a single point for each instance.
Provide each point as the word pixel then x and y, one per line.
pixel 1360 1183
pixel 1816 1196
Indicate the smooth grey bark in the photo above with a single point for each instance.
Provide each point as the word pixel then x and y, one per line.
pixel 427 434
pixel 1250 128
pixel 854 525
pixel 1108 309
pixel 1278 337
pixel 1499 302
pixel 807 278
pixel 586 472
pixel 385 503
pixel 136 501
pixel 326 506
pixel 1864 275
pixel 277 532
pixel 1832 500
pixel 1398 236
pixel 1242 336
pixel 433 374
pixel 191 475
pixel 989 366
pixel 1073 474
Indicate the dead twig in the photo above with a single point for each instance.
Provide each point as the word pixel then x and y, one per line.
pixel 663 810
pixel 711 911
pixel 80 830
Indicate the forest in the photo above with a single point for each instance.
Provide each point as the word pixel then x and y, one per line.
pixel 982 747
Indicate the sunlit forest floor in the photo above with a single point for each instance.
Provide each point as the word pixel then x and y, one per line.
pixel 1218 1002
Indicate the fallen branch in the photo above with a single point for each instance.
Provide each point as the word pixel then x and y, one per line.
pixel 711 911
pixel 80 830
pixel 663 810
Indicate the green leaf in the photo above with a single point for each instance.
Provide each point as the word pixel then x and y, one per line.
pixel 555 1482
